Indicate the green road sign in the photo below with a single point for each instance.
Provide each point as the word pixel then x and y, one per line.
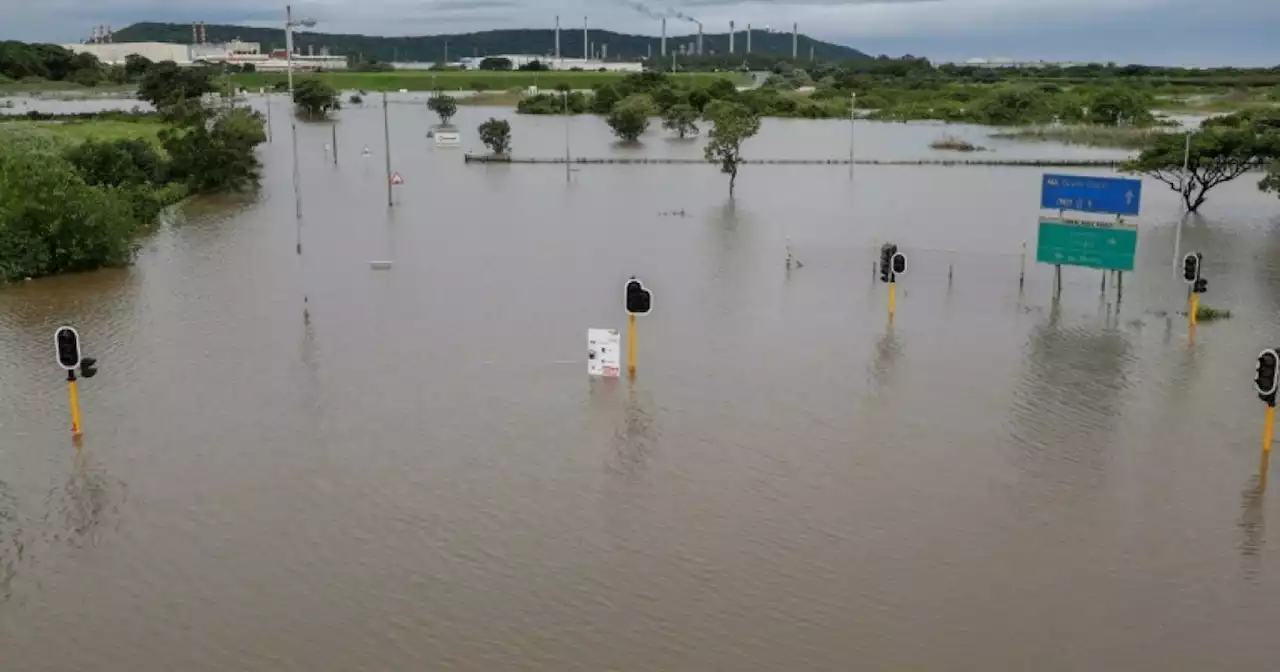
pixel 1071 242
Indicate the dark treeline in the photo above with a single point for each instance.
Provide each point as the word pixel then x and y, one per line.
pixel 22 61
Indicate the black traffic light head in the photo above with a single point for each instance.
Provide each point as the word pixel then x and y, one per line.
pixel 1265 379
pixel 886 261
pixel 1201 286
pixel 639 301
pixel 88 367
pixel 899 264
pixel 1191 267
pixel 66 344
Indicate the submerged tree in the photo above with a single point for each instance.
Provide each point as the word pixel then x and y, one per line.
pixel 682 119
pixel 314 98
pixel 731 125
pixel 496 135
pixel 444 107
pixel 629 119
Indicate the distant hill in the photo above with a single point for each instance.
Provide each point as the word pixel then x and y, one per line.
pixel 523 41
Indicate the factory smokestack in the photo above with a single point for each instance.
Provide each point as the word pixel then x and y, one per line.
pixel 664 37
pixel 204 34
pixel 795 40
pixel 195 36
pixel 557 37
pixel 586 43
pixel 748 38
pixel 107 33
pixel 730 37
pixel 699 39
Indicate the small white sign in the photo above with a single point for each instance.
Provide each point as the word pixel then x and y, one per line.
pixel 448 138
pixel 604 353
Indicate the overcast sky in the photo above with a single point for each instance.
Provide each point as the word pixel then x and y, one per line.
pixel 1190 32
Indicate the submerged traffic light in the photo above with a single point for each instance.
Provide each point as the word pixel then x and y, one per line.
pixel 88 367
pixel 639 301
pixel 1201 286
pixel 1191 267
pixel 1264 381
pixel 886 261
pixel 66 343
pixel 899 264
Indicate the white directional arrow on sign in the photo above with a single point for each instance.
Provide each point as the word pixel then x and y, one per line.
pixel 1128 197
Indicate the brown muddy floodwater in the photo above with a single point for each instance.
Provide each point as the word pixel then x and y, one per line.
pixel 421 476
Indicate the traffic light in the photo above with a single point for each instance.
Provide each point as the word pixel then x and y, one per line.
pixel 886 261
pixel 1265 380
pixel 1201 286
pixel 639 301
pixel 1191 267
pixel 66 343
pixel 88 367
pixel 899 264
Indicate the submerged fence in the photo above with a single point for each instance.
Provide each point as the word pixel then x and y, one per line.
pixel 1038 163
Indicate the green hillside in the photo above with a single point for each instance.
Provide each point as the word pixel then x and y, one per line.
pixel 523 41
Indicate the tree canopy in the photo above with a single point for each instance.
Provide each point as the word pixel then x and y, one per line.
pixel 444 106
pixel 731 125
pixel 314 98
pixel 682 119
pixel 1215 154
pixel 496 135
pixel 629 118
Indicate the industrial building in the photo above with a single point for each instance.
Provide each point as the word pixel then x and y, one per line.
pixel 231 53
pixel 552 63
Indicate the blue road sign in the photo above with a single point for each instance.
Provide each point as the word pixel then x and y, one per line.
pixel 1084 193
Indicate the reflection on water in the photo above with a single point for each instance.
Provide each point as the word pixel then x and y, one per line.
pixel 636 438
pixel 11 542
pixel 89 500
pixel 1253 515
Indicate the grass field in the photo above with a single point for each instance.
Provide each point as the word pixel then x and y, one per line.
pixel 464 80
pixel 98 129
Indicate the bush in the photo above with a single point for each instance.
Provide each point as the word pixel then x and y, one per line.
pixel 630 118
pixel 496 135
pixel 52 221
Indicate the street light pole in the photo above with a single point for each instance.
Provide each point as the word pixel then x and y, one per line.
pixel 289 25
pixel 1186 176
pixel 853 104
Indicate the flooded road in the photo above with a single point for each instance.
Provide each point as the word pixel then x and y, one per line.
pixel 420 475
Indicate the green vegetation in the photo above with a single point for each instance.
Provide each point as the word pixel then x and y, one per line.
pixel 456 80
pixel 731 124
pixel 952 143
pixel 444 107
pixel 314 99
pixel 682 119
pixel 1210 314
pixel 41 66
pixel 1124 137
pixel 496 135
pixel 629 118
pixel 1222 150
pixel 76 191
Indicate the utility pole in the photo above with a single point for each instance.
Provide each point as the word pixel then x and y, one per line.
pixel 386 137
pixel 586 44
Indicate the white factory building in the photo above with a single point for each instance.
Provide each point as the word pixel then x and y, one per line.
pixel 233 53
pixel 517 60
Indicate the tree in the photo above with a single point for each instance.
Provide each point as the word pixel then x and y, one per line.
pixel 165 84
pixel 1115 105
pixel 1216 155
pixel 496 135
pixel 682 119
pixel 1015 105
pixel 51 221
pixel 314 98
pixel 535 64
pixel 630 117
pixel 136 65
pixel 606 96
pixel 731 124
pixel 1271 183
pixel 217 155
pixel 444 107
pixel 495 63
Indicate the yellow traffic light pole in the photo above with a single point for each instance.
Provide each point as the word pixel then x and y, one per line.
pixel 893 302
pixel 1267 427
pixel 74 397
pixel 631 345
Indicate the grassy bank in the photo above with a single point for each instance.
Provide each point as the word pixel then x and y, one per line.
pixel 1121 137
pixel 107 130
pixel 461 80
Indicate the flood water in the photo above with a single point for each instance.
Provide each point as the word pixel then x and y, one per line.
pixel 420 475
